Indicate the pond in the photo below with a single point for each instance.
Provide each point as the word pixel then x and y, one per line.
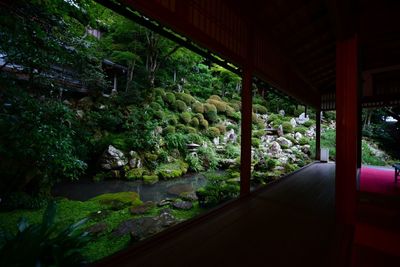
pixel 85 189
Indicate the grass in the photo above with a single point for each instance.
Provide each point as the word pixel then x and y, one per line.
pixel 71 211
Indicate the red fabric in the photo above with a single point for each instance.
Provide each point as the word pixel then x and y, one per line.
pixel 381 181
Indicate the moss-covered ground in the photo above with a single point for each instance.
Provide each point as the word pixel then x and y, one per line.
pixel 70 211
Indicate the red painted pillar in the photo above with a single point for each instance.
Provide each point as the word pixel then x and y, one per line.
pixel 346 129
pixel 245 155
pixel 318 135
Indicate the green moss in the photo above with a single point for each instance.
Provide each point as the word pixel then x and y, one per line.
pixel 150 179
pixel 188 99
pixel 134 173
pixel 186 117
pixel 257 108
pixel 213 132
pixel 172 170
pixel 198 107
pixel 287 127
pixel 180 105
pixel 195 122
pixel 258 133
pixel 129 198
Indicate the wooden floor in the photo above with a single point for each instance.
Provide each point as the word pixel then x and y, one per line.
pixel 290 223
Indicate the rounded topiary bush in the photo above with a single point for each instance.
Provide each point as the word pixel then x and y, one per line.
pixel 155 106
pixel 220 105
pixel 180 105
pixel 169 98
pixel 221 128
pixel 259 109
pixel 186 117
pixel 203 123
pixel 173 120
pixel 198 107
pixel 300 129
pixel 200 116
pixel 255 142
pixel 180 127
pixel 190 130
pixel 287 127
pixel 188 99
pixel 213 132
pixel 158 114
pixel 215 97
pixel 236 105
pixel 194 122
pixel 168 130
pixel 309 123
pixel 272 117
pixel 210 112
pixel 159 92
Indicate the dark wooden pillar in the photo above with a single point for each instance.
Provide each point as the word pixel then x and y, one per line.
pixel 318 135
pixel 245 158
pixel 359 131
pixel 346 128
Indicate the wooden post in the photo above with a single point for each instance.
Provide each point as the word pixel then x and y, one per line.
pixel 346 129
pixel 318 135
pixel 245 158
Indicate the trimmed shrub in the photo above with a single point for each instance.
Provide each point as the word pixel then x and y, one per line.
pixel 186 117
pixel 213 132
pixel 169 98
pixel 204 123
pixel 258 133
pixel 309 123
pixel 259 109
pixel 272 117
pixel 155 106
pixel 189 130
pixel 159 92
pixel 198 107
pixel 180 127
pixel 221 128
pixel 180 105
pixel 237 105
pixel 173 120
pixel 220 105
pixel 287 127
pixel 300 129
pixel 158 114
pixel 215 97
pixel 188 99
pixel 210 112
pixel 255 142
pixel 194 122
pixel 169 130
pixel 304 141
pixel 200 116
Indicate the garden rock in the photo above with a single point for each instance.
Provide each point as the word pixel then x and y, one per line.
pixel 302 118
pixel 298 136
pixel 165 202
pixel 282 112
pixel 275 148
pixel 112 159
pixel 306 149
pixel 279 130
pixel 97 228
pixel 142 209
pixel 188 196
pixel 283 142
pixel 293 122
pixel 182 205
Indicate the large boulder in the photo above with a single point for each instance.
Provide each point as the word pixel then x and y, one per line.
pixel 298 136
pixel 283 142
pixel 293 122
pixel 112 159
